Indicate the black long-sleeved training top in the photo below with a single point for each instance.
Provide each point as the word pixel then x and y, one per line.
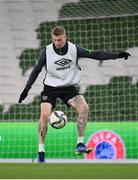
pixel 81 52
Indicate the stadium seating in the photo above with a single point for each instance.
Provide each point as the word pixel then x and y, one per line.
pixel 18 21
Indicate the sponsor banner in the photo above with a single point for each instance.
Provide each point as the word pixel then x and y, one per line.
pixel 106 145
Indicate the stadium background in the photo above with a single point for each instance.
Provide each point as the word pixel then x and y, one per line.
pixel 112 94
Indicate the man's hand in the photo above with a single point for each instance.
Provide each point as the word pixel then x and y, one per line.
pixel 124 55
pixel 23 95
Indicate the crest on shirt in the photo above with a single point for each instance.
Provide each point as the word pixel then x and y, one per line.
pixel 63 62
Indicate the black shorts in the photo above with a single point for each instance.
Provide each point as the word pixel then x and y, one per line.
pixel 50 94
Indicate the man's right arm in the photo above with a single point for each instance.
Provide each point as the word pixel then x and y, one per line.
pixel 34 74
pixel 36 70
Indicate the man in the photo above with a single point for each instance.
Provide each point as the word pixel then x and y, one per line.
pixel 60 59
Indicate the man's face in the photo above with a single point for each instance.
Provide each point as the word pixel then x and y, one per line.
pixel 59 41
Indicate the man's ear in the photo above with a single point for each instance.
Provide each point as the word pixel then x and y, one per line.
pixel 66 37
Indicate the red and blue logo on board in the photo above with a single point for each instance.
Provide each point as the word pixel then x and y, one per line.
pixel 106 145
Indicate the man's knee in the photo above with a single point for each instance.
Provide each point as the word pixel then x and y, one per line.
pixel 44 116
pixel 84 109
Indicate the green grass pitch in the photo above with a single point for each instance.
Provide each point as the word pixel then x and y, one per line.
pixel 68 171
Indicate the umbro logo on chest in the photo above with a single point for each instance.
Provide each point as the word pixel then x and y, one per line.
pixel 63 62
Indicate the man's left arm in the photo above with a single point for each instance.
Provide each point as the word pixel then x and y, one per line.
pixel 98 55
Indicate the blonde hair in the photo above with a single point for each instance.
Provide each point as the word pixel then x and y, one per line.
pixel 58 30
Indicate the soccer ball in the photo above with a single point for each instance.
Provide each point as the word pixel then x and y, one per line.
pixel 57 119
